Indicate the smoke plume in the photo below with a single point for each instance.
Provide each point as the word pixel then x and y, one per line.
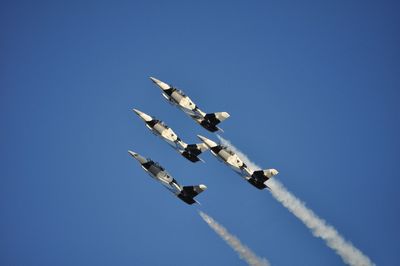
pixel 244 252
pixel 349 253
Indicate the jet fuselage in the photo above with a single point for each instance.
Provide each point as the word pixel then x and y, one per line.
pixel 157 172
pixel 255 177
pixel 182 101
pixel 160 129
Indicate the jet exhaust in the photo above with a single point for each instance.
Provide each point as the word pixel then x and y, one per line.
pixel 244 252
pixel 349 253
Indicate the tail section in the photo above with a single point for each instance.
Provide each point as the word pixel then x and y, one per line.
pixel 192 151
pixel 219 117
pixel 259 177
pixel 211 120
pixel 189 192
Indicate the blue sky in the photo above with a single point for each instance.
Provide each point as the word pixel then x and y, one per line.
pixel 312 89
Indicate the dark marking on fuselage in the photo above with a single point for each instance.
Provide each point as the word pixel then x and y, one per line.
pixel 148 164
pixel 216 149
pixel 169 91
pixel 152 123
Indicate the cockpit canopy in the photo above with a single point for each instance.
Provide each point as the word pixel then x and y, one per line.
pixel 156 164
pixel 227 149
pixel 180 92
pixel 163 124
pixel 155 121
pixel 159 166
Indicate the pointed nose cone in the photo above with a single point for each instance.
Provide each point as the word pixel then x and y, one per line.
pixel 274 172
pixel 155 80
pixel 143 116
pixel 207 141
pixel 133 154
pixel 162 85
pixel 138 157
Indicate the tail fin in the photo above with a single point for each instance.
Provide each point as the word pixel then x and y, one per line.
pixel 189 192
pixel 259 177
pixel 193 150
pixel 211 120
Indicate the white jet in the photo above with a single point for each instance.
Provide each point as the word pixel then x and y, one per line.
pixel 183 102
pixel 156 171
pixel 160 129
pixel 224 154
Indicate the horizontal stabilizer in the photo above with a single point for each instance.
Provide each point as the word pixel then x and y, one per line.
pixel 164 86
pixel 189 192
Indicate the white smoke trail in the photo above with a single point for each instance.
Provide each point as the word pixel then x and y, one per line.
pixel 244 252
pixel 349 253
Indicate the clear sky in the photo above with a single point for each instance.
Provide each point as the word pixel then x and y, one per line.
pixel 313 91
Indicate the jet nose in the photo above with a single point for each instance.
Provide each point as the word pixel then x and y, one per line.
pixel 155 80
pixel 138 157
pixel 133 154
pixel 207 141
pixel 162 85
pixel 137 111
pixel 143 116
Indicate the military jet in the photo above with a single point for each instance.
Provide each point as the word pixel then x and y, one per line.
pixel 224 154
pixel 186 193
pixel 160 129
pixel 178 98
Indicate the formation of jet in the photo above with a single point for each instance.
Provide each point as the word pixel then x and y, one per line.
pixel 183 102
pixel 191 151
pixel 224 154
pixel 160 129
pixel 156 171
